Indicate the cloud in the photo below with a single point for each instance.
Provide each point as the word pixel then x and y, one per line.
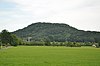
pixel 82 14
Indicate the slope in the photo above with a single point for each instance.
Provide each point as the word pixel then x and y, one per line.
pixel 56 32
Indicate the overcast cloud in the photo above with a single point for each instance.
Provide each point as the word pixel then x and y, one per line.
pixel 82 14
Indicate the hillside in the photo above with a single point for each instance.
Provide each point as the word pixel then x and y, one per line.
pixel 56 32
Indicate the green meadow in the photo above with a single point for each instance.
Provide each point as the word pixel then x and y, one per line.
pixel 50 56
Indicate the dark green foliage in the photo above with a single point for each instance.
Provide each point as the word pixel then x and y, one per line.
pixel 5 37
pixel 99 43
pixel 73 44
pixel 47 43
pixel 15 40
pixel 57 32
pixel 8 39
pixel 0 44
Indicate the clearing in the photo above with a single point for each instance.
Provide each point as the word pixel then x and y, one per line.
pixel 50 56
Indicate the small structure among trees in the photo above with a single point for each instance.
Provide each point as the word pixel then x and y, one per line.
pixel 96 45
pixel 29 39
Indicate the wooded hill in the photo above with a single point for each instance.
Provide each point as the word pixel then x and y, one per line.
pixel 56 32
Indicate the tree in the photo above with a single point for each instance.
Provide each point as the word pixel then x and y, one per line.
pixel 5 37
pixel 14 40
pixel 0 43
pixel 47 43
pixel 8 38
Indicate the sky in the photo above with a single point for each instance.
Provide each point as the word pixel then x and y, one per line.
pixel 81 14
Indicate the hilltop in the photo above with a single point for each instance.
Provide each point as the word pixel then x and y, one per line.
pixel 56 32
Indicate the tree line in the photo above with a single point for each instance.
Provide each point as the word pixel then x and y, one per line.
pixel 9 39
pixel 66 44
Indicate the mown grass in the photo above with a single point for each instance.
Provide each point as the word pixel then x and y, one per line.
pixel 49 56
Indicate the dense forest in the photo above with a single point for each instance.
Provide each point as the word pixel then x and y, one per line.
pixel 56 32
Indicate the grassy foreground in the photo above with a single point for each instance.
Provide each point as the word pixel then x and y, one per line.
pixel 49 56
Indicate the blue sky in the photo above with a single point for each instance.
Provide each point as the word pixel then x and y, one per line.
pixel 82 14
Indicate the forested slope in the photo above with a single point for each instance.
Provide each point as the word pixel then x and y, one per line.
pixel 56 32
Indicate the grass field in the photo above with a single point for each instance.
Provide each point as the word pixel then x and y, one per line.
pixel 49 56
